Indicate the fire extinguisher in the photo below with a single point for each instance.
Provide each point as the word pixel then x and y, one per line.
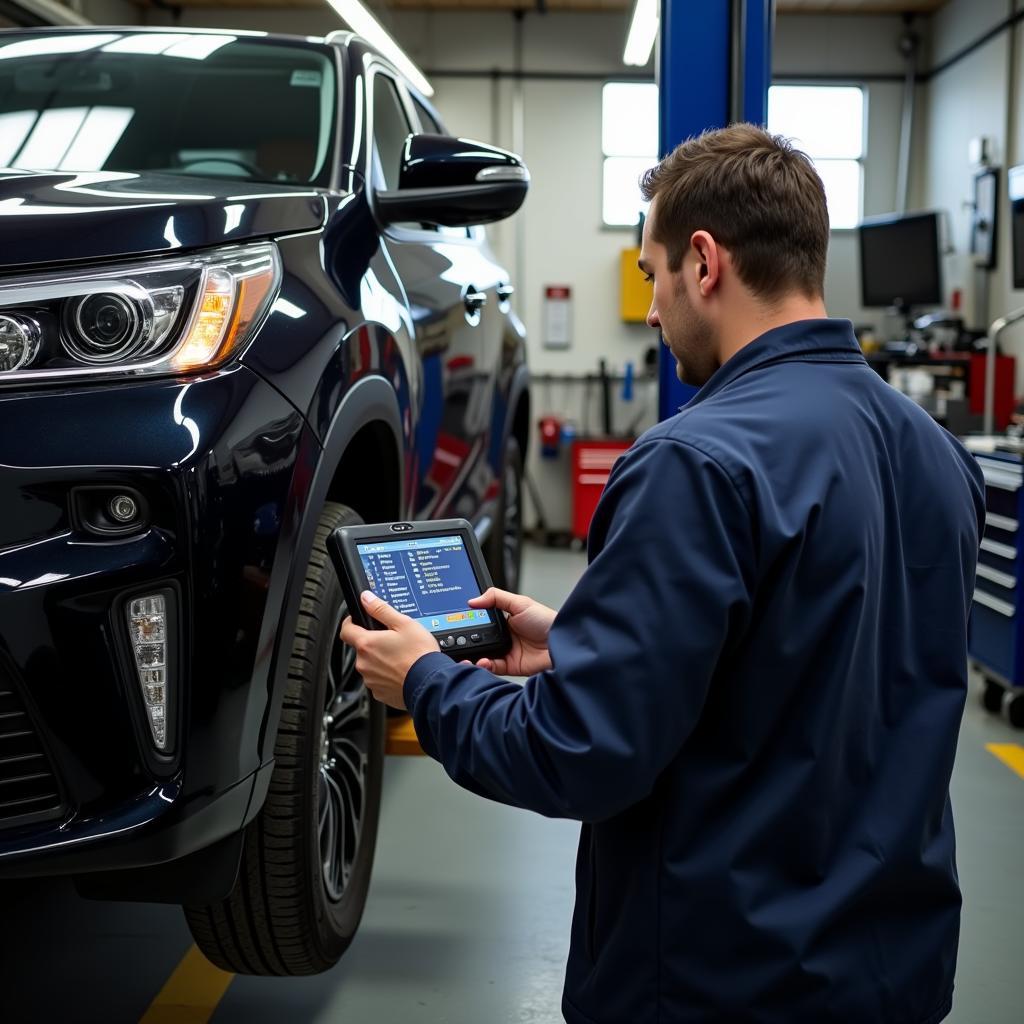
pixel 550 436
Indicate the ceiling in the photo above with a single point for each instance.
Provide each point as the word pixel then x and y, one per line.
pixel 784 6
pixel 860 6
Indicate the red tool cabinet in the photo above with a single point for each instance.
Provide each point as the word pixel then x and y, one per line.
pixel 592 461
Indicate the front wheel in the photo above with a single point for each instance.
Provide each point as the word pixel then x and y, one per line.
pixel 307 855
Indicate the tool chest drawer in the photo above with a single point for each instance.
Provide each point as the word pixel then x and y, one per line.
pixel 995 628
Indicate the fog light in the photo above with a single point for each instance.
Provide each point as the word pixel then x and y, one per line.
pixel 147 624
pixel 123 508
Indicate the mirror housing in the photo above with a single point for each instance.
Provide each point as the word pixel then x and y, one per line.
pixel 454 183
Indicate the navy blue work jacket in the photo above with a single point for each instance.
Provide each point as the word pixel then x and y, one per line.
pixel 754 704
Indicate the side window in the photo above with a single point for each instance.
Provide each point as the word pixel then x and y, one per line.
pixel 390 129
pixel 429 123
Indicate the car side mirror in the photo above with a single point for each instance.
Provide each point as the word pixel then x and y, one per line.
pixel 454 183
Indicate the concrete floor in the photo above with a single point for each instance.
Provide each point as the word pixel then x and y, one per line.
pixel 469 909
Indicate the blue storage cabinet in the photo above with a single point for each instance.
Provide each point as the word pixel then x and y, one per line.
pixel 995 643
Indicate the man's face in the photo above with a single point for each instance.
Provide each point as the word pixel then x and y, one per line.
pixel 690 337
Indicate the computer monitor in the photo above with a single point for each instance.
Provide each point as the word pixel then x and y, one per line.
pixel 1015 177
pixel 899 261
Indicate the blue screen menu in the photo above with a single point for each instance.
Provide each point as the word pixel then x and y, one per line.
pixel 430 579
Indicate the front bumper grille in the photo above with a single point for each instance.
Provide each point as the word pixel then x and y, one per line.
pixel 28 786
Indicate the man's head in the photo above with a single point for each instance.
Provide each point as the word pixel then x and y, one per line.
pixel 735 240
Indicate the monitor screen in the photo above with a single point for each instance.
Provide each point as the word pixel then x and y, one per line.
pixel 1015 177
pixel 430 579
pixel 899 261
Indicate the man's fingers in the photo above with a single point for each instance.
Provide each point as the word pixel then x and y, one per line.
pixel 499 666
pixel 350 632
pixel 381 610
pixel 503 599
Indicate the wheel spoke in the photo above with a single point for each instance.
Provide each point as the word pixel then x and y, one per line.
pixel 328 826
pixel 345 743
pixel 333 842
pixel 349 709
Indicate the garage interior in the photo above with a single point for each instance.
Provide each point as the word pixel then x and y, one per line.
pixel 468 915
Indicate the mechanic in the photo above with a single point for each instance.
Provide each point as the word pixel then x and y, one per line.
pixel 752 696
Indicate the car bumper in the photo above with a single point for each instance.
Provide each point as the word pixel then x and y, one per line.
pixel 214 461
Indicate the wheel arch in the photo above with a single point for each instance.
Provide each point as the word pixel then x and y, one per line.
pixel 364 437
pixel 520 404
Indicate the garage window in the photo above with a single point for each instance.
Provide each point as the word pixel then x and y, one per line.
pixel 827 123
pixel 629 143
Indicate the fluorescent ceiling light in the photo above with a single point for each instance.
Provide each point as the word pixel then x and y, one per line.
pixel 643 30
pixel 145 42
pixel 46 46
pixel 363 23
pixel 101 131
pixel 51 138
pixel 198 47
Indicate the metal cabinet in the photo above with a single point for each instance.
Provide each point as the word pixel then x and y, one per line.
pixel 996 643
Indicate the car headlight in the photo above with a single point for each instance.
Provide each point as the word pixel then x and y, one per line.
pixel 152 317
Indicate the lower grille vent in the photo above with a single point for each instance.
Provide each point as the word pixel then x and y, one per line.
pixel 28 786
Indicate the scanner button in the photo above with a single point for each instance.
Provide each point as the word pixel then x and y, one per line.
pixel 461 641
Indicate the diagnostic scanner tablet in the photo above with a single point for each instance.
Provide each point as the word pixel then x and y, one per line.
pixel 427 570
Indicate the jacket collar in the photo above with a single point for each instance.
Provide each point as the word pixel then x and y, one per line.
pixel 805 341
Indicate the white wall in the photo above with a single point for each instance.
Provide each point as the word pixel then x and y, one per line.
pixel 855 47
pixel 979 95
pixel 967 100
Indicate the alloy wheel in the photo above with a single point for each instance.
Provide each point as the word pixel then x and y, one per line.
pixel 344 757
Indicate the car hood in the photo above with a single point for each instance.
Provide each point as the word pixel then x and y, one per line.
pixel 58 217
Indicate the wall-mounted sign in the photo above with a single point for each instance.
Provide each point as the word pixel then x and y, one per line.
pixel 557 316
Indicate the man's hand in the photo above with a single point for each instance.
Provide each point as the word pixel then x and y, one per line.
pixel 384 657
pixel 530 622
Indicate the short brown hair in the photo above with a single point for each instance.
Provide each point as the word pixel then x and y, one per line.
pixel 756 195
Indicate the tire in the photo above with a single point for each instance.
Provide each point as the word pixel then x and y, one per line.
pixel 307 855
pixel 992 696
pixel 1015 710
pixel 504 548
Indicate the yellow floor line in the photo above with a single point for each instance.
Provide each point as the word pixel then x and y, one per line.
pixel 191 994
pixel 1011 754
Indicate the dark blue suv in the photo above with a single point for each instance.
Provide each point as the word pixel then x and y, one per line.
pixel 245 298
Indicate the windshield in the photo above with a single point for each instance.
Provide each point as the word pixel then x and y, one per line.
pixel 209 105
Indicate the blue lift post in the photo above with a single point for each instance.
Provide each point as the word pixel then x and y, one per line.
pixel 714 67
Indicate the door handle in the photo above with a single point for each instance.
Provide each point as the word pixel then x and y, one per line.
pixel 505 292
pixel 474 300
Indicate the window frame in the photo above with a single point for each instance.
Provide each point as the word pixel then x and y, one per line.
pixel 400 233
pixel 861 160
pixel 605 157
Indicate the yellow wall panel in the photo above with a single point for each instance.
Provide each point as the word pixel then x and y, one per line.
pixel 635 293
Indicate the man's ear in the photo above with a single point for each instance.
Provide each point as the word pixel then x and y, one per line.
pixel 708 265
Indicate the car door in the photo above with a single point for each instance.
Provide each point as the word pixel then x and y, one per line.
pixel 451 287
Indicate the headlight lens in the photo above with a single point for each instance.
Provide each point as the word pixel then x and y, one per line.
pixel 19 342
pixel 105 328
pixel 161 316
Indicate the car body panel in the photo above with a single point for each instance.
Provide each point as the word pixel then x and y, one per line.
pixel 369 346
pixel 81 218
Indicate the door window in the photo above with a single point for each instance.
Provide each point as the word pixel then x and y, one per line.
pixel 427 120
pixel 390 129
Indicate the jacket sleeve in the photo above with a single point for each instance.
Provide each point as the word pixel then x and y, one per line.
pixel 634 649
